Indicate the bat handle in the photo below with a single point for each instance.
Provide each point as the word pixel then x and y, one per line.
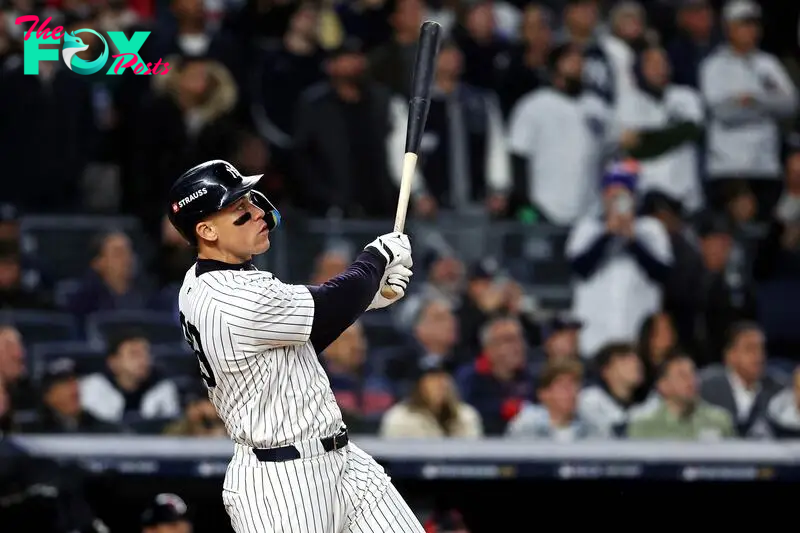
pixel 409 167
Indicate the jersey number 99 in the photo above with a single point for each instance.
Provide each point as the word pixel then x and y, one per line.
pixel 192 336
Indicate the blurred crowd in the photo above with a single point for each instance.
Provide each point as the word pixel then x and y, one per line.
pixel 661 136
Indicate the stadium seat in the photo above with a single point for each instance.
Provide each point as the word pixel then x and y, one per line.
pixel 42 326
pixel 175 360
pixel 88 358
pixel 158 327
pixel 779 314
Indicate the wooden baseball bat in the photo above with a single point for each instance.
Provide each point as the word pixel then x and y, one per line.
pixel 418 105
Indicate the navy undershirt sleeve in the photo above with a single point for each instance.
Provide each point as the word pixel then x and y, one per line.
pixel 342 299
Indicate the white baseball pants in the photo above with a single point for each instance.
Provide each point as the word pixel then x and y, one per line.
pixel 342 491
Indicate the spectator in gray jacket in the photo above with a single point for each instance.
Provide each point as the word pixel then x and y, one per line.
pixel 748 92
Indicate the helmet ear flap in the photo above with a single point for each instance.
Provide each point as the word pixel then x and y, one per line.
pixel 271 215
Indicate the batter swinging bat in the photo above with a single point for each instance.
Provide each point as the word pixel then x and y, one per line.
pixel 418 105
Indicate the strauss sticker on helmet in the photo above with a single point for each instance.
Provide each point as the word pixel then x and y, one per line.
pixel 192 197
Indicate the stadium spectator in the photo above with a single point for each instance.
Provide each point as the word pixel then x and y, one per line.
pixel 656 340
pixel 166 513
pixel 14 370
pixel 477 36
pixel 111 282
pixel 187 118
pixel 489 292
pixel 743 385
pixel 434 343
pixel 527 61
pixel 685 279
pixel 626 39
pixel 199 417
pixel 778 254
pixel 18 291
pixel 391 63
pixel 445 279
pixel 498 382
pixel 433 409
pixel 697 37
pixel 662 123
pixel 748 93
pixel 620 260
pixel 582 29
pixel 60 410
pixel 725 297
pixel 328 264
pixel 783 411
pixel 556 173
pixel 285 70
pixel 129 388
pixel 680 413
pixel 465 160
pixel 349 134
pixel 607 405
pixel 173 259
pixel 362 393
pixel 556 416
pixel 560 337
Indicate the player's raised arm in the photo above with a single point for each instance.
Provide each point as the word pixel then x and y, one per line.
pixel 341 300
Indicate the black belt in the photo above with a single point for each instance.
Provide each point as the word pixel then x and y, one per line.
pixel 290 453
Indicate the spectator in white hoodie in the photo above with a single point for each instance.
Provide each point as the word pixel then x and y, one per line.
pixel 748 92
pixel 129 389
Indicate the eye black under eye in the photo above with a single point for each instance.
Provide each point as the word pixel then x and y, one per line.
pixel 242 219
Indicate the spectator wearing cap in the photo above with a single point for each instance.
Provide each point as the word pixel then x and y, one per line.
pixel 620 261
pixel 662 123
pixel 559 334
pixel 432 409
pixel 489 292
pixel 778 253
pixel 555 417
pixel 362 392
pixel 434 342
pixel 167 513
pixel 465 160
pixel 685 279
pixel 129 388
pixel 199 418
pixel 726 296
pixel 18 288
pixel 679 412
pixel 696 39
pixel 748 93
pixel 555 173
pixel 60 410
pixel 743 385
pixel 499 381
pixel 608 404
pixel 349 134
pixel 111 282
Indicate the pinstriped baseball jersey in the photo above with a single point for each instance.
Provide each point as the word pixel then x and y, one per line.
pixel 250 333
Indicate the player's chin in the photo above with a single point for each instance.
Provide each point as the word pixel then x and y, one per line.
pixel 262 243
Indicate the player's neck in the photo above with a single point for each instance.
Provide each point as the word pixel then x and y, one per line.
pixel 222 256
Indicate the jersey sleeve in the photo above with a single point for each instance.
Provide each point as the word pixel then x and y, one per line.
pixel 262 311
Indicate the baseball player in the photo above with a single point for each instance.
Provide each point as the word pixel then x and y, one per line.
pixel 257 339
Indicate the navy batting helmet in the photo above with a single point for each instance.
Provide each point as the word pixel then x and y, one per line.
pixel 209 187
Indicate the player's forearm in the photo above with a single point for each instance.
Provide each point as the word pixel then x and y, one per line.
pixel 342 299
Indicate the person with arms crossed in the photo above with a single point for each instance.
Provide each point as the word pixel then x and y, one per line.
pixel 256 338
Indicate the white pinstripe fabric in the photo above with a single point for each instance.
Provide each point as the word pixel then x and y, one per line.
pixel 343 491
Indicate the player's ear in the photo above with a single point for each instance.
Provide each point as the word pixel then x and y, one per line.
pixel 206 230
